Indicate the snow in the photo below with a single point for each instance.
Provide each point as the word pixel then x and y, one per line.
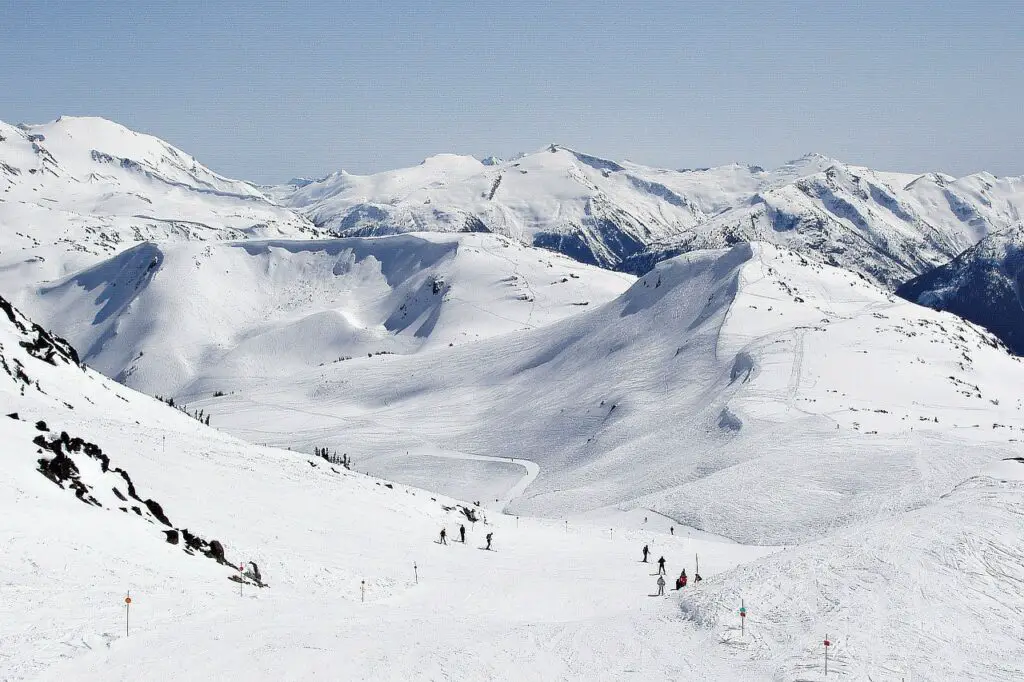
pixel 889 593
pixel 316 536
pixel 842 462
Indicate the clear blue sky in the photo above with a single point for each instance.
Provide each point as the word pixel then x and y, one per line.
pixel 269 90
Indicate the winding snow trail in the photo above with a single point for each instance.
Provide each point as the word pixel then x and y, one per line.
pixel 532 469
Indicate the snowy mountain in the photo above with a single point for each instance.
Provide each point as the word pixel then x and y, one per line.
pixel 717 377
pixel 886 226
pixel 81 188
pixel 982 285
pixel 158 317
pixel 840 461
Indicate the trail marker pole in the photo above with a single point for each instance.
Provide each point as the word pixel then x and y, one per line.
pixel 697 557
pixel 743 619
pixel 127 609
pixel 416 573
pixel 827 645
pixel 567 526
pixel 362 591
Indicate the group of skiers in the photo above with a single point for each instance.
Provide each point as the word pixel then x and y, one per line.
pixel 680 581
pixel 462 536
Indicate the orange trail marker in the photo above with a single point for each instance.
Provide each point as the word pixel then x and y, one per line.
pixel 127 609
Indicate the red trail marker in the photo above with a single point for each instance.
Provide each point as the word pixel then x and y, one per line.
pixel 827 645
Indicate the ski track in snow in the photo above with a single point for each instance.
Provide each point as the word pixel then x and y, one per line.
pixel 532 469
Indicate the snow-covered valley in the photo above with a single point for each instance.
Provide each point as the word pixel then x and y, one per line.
pixel 715 378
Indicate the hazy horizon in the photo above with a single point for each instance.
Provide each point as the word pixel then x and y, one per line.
pixel 265 91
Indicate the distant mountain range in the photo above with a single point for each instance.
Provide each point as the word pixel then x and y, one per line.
pixel 80 189
pixel 888 227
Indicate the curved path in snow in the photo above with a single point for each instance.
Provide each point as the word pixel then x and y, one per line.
pixel 532 469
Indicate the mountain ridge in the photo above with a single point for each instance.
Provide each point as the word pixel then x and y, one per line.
pixel 983 284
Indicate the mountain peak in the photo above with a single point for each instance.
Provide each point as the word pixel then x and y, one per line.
pixel 450 161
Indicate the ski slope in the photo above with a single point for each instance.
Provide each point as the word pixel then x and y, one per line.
pixel 357 586
pixel 936 593
pixel 315 531
pixel 179 319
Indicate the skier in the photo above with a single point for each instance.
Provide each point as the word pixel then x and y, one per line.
pixel 489 540
pixel 697 578
pixel 462 533
pixel 444 536
pixel 661 586
pixel 661 566
pixel 681 580
pixel 647 551
pixel 672 530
